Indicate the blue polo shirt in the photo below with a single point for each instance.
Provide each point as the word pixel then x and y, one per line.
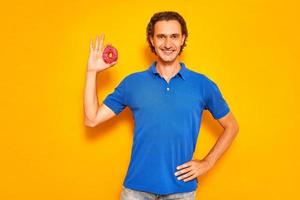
pixel 167 118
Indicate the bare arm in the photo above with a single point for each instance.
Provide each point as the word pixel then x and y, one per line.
pixel 93 113
pixel 194 168
pixel 231 129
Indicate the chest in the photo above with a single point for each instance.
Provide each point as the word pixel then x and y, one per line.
pixel 159 95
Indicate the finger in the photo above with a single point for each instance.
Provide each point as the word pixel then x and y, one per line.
pixel 190 178
pixel 186 175
pixel 101 41
pixel 113 63
pixel 97 43
pixel 91 44
pixel 184 165
pixel 185 170
pixel 97 46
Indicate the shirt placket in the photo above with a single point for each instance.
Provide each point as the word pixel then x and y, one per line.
pixel 168 87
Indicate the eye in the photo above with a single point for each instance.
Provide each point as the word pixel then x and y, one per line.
pixel 174 36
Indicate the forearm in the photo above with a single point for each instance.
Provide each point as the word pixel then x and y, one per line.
pixel 90 96
pixel 221 145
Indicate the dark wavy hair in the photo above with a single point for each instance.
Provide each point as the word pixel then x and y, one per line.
pixel 166 15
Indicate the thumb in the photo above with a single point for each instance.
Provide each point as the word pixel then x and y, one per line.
pixel 113 63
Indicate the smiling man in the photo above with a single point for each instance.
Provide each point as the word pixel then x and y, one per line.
pixel 167 101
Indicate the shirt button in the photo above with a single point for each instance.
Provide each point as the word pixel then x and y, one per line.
pixel 168 88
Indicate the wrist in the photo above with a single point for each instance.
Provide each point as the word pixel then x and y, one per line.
pixel 211 162
pixel 91 71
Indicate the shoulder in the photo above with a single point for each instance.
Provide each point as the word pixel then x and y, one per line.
pixel 204 82
pixel 200 77
pixel 136 76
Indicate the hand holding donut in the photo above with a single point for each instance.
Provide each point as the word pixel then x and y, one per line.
pixel 101 59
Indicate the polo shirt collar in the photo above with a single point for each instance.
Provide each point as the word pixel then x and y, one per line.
pixel 183 72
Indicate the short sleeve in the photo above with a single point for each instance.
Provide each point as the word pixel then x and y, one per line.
pixel 116 100
pixel 214 101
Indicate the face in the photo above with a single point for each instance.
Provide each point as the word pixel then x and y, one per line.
pixel 167 40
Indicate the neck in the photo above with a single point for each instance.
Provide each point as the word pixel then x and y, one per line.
pixel 168 69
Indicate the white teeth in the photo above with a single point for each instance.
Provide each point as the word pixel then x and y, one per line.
pixel 166 51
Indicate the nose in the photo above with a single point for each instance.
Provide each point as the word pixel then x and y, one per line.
pixel 167 43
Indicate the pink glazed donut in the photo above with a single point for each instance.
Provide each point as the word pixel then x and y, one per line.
pixel 110 54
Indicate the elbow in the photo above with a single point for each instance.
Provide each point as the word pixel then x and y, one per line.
pixel 89 123
pixel 233 129
pixel 236 129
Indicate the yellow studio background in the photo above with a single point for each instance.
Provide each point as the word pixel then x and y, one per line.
pixel 249 48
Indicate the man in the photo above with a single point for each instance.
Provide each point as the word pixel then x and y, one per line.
pixel 167 101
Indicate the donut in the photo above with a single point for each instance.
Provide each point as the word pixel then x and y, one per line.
pixel 110 54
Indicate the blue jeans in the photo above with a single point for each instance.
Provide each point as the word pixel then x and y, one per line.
pixel 129 194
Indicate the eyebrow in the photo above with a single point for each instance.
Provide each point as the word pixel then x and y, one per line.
pixel 160 34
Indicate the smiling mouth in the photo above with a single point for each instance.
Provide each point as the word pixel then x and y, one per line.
pixel 168 52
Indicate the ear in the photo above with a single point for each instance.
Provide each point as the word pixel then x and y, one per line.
pixel 151 40
pixel 183 38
